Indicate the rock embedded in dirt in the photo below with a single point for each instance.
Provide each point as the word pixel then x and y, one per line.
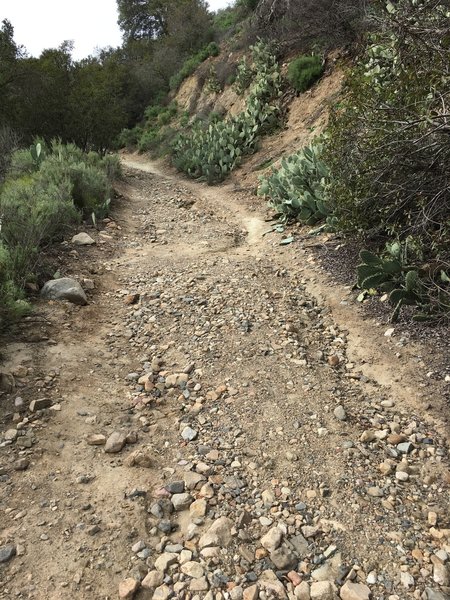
pixel 354 591
pixel 139 458
pixel 7 552
pixel 181 501
pixel 219 534
pixel 82 239
pixel 272 540
pixel 64 289
pixel 339 413
pixel 115 442
pixel 21 464
pixel 322 590
pixel 152 580
pixel 189 434
pixel 40 404
pixel 96 439
pixel 128 588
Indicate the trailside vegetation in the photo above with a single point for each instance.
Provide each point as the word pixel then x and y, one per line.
pixel 47 190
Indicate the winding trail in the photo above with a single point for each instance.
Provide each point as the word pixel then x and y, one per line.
pixel 229 363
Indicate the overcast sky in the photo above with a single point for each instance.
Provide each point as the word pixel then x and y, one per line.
pixel 40 24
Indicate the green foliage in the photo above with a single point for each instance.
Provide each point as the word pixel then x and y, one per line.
pixel 212 151
pixel 22 163
pixel 129 138
pixel 244 76
pixel 388 151
pixel 192 63
pixel 389 148
pixel 212 84
pixel 298 189
pixel 12 305
pixel 407 284
pixel 39 203
pixel 225 19
pixel 304 71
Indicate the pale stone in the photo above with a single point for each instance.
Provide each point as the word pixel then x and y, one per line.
pixel 128 588
pixel 354 591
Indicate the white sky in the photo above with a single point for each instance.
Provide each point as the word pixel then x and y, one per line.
pixel 40 24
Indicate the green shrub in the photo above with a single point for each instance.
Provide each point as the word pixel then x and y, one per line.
pixel 128 138
pixel 34 212
pixel 12 304
pixel 298 189
pixel 89 184
pixel 39 208
pixel 191 64
pixel 304 71
pixel 22 163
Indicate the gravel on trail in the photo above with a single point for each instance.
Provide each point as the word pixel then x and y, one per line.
pixel 202 430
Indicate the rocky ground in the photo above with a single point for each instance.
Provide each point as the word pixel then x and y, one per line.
pixel 217 422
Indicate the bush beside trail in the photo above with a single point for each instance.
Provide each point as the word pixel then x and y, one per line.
pixel 46 192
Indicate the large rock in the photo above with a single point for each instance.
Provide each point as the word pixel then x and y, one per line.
pixel 64 289
pixel 82 239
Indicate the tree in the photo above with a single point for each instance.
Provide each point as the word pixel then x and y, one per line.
pixel 142 19
pixel 97 103
pixel 10 53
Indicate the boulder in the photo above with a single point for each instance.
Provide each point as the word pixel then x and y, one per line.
pixel 64 289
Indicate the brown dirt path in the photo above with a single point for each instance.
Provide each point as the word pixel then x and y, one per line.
pixel 254 325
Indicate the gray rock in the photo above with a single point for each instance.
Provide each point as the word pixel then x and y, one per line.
pixel 339 413
pixel 405 447
pixel 182 501
pixel 189 434
pixel 115 442
pixel 82 239
pixel 300 545
pixel 64 289
pixel 7 552
pixel 175 487
pixel 435 595
pixel 283 558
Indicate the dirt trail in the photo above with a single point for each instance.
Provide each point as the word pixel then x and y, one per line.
pixel 227 363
